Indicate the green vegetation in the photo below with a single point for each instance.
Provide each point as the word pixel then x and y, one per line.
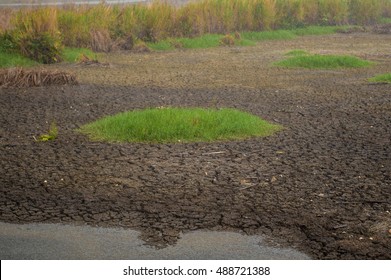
pixel 296 53
pixel 317 61
pixel 162 125
pixel 201 42
pixel 51 135
pixel 240 39
pixel 42 33
pixel 77 54
pixel 14 60
pixel 383 78
pixel 269 35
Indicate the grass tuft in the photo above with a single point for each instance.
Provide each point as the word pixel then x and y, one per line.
pixel 317 61
pixel 173 125
pixel 383 78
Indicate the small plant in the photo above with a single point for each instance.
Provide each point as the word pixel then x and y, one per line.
pixel 51 135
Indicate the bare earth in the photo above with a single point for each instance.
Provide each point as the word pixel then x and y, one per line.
pixel 322 185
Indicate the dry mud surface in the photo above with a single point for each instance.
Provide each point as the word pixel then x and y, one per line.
pixel 322 185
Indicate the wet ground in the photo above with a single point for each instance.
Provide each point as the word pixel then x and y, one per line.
pixel 322 185
pixel 56 241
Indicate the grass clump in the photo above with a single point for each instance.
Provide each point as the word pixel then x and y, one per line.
pixel 383 78
pixel 173 125
pixel 317 61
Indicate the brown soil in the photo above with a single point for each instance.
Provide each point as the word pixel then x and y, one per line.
pixel 322 185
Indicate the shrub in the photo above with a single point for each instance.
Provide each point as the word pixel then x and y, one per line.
pixel 37 36
pixel 42 47
pixel 7 42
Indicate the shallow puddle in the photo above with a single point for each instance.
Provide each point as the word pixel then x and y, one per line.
pixel 55 241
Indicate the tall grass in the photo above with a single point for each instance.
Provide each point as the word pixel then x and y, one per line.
pixel 104 25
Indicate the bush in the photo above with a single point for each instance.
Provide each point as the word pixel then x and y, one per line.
pixel 7 42
pixel 42 47
pixel 36 35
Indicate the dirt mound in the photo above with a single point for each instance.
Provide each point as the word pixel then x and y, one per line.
pixel 21 78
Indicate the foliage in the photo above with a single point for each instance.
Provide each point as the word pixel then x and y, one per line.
pixel 163 125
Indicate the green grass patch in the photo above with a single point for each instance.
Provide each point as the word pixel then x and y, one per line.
pixel 385 20
pixel 202 42
pixel 269 35
pixel 296 53
pixel 173 125
pixel 246 38
pixel 317 61
pixel 164 45
pixel 383 78
pixel 75 54
pixel 14 60
pixel 316 30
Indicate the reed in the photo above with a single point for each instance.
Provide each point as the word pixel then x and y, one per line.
pixel 102 26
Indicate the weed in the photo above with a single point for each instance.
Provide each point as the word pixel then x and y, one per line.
pixel 51 135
